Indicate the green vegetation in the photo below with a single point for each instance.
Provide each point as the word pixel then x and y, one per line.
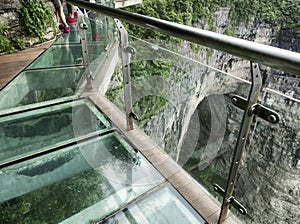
pixel 285 13
pixel 55 203
pixel 145 68
pixel 35 17
pixel 8 43
pixel 147 105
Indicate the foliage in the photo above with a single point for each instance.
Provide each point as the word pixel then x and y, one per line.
pixel 148 106
pixel 283 13
pixel 146 68
pixel 8 43
pixel 113 92
pixel 59 200
pixel 5 45
pixel 191 12
pixel 35 17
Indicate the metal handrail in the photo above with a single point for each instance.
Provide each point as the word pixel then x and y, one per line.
pixel 271 56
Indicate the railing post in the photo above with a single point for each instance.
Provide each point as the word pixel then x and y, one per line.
pixel 85 54
pixel 241 141
pixel 125 52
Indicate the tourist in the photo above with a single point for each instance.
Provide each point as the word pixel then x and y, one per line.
pixel 71 17
pixel 60 16
pixel 92 19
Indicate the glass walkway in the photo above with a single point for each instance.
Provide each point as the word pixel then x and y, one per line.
pixel 201 137
pixel 63 161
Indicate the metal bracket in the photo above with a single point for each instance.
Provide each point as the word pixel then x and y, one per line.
pixel 134 116
pixel 257 109
pixel 232 200
pixel 129 49
pixel 83 26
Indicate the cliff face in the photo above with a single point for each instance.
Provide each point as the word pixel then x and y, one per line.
pixel 9 16
pixel 199 125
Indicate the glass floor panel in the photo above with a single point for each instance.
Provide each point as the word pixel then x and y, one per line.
pixel 59 56
pixel 66 55
pixel 78 184
pixel 32 131
pixel 34 86
pixel 165 205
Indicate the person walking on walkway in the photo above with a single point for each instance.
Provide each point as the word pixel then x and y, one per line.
pixel 71 16
pixel 60 16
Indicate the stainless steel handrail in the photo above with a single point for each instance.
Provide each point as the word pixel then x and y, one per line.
pixel 271 56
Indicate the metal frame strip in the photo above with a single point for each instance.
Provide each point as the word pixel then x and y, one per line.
pixel 241 141
pixel 83 40
pixel 125 52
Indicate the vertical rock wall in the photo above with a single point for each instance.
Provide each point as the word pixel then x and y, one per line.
pixel 10 17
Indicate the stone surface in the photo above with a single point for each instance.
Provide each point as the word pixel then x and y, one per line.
pixel 9 17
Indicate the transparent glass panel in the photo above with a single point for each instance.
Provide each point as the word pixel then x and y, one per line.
pixel 35 86
pixel 269 181
pixel 100 36
pixel 78 184
pixel 67 54
pixel 35 130
pixel 100 28
pixel 162 206
pixel 68 49
pixel 185 107
pixel 69 38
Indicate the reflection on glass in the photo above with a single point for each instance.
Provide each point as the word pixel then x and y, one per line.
pixel 35 86
pixel 69 38
pixel 162 206
pixel 32 131
pixel 67 49
pixel 185 107
pixel 216 123
pixel 268 184
pixel 76 184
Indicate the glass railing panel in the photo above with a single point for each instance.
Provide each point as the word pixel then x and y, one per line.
pixel 69 38
pixel 36 130
pixel 100 28
pixel 268 183
pixel 38 86
pixel 100 36
pixel 164 205
pixel 185 107
pixel 78 184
